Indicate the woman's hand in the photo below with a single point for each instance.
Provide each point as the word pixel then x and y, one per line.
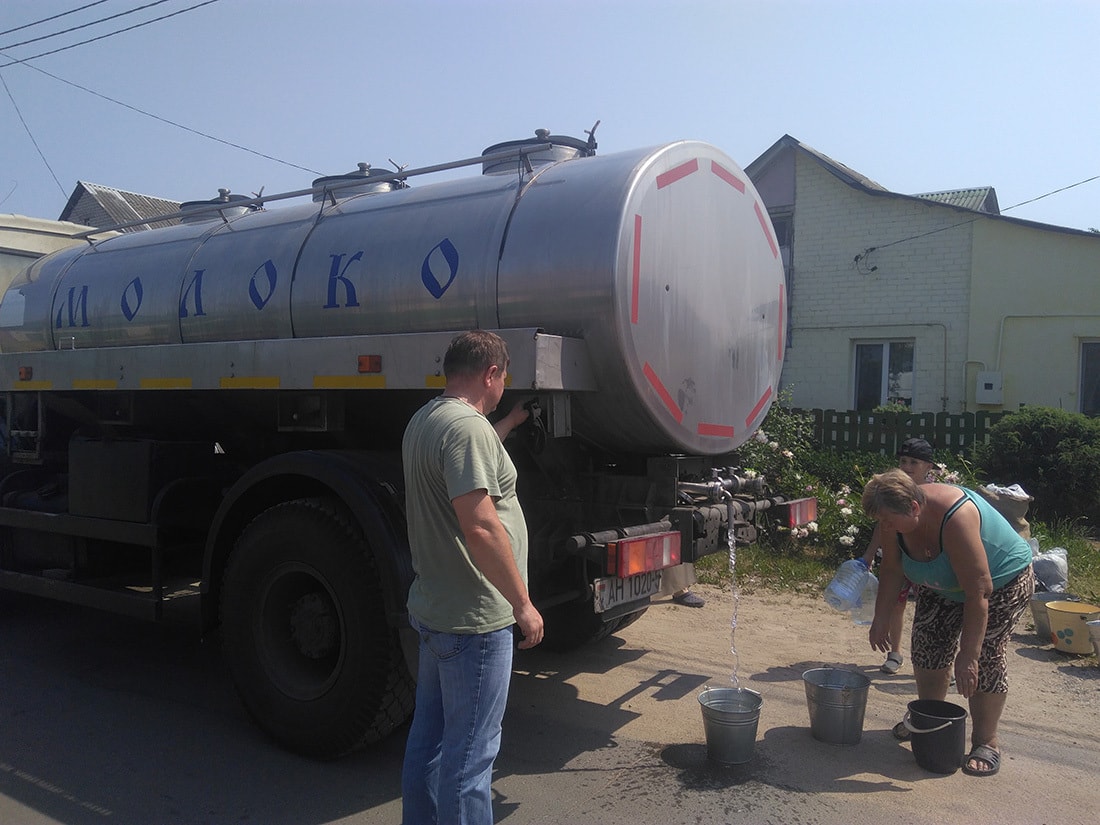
pixel 966 675
pixel 879 634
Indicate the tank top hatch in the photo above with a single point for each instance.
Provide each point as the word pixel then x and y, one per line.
pixel 1008 554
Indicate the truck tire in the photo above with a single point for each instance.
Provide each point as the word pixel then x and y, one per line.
pixel 306 639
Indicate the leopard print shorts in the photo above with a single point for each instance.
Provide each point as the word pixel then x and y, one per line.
pixel 937 624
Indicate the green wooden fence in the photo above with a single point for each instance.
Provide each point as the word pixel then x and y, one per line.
pixel 883 432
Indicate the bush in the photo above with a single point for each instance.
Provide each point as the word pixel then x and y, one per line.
pixel 782 451
pixel 1054 455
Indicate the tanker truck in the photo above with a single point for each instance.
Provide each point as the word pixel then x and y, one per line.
pixel 202 423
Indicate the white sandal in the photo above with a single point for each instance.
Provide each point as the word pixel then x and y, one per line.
pixel 892 663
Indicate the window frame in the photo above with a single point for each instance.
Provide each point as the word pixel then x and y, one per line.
pixel 886 350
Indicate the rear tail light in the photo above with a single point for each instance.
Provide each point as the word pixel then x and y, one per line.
pixel 628 557
pixel 801 511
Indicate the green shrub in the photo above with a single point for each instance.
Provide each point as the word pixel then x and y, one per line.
pixel 1054 455
pixel 782 450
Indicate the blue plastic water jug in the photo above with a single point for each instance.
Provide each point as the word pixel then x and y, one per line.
pixel 864 612
pixel 843 592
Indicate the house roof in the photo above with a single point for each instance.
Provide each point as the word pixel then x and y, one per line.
pixel 96 205
pixel 961 200
pixel 981 199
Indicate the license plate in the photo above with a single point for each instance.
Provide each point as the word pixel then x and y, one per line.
pixel 611 592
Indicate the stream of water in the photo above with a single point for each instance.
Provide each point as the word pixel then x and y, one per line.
pixel 736 598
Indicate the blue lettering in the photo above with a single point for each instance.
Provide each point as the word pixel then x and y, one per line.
pixel 450 258
pixel 196 284
pixel 80 302
pixel 135 289
pixel 260 301
pixel 337 275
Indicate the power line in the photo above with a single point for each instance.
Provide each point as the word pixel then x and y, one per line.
pixel 109 34
pixel 31 136
pixel 85 25
pixel 54 17
pixel 871 249
pixel 171 122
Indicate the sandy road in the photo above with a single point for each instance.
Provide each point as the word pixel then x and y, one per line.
pixel 107 720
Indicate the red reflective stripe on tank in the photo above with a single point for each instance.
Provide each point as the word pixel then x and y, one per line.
pixel 719 430
pixel 759 406
pixel 636 276
pixel 782 318
pixel 728 176
pixel 676 173
pixel 765 224
pixel 677 413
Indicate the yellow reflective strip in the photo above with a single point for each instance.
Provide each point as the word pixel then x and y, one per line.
pixel 249 382
pixel 165 383
pixel 94 384
pixel 349 382
pixel 32 385
pixel 435 381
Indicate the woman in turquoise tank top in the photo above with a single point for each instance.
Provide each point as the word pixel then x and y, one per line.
pixel 974 579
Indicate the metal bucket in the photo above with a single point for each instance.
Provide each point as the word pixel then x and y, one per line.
pixel 730 719
pixel 1039 610
pixel 837 700
pixel 1094 634
pixel 938 734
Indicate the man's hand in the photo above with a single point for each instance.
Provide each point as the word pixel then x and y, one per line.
pixel 529 621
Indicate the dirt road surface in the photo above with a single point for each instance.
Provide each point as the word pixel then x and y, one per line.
pixel 105 720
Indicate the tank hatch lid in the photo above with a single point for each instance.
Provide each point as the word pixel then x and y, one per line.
pixel 224 206
pixel 561 147
pixel 363 181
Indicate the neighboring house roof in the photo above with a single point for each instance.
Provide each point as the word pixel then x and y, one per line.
pixel 95 205
pixel 981 199
pixel 955 199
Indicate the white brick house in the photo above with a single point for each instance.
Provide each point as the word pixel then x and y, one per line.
pixel 936 301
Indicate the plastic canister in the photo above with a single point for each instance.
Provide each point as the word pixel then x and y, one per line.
pixel 864 612
pixel 843 592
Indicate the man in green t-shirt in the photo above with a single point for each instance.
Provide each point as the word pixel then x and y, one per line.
pixel 469 552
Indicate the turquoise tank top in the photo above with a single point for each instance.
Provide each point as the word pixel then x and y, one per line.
pixel 1008 553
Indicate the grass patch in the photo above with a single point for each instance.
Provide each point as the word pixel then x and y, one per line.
pixel 808 570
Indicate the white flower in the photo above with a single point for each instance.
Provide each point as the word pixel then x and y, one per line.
pixel 812 526
pixel 846 511
pixel 751 474
pixel 774 445
pixel 761 436
pixel 852 530
pixel 845 489
pixel 847 541
pixel 787 454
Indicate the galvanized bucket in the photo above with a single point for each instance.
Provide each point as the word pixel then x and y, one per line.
pixel 837 700
pixel 730 720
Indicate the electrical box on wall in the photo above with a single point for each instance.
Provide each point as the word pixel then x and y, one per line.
pixel 989 389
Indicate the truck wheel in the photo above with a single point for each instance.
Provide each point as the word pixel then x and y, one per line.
pixel 306 639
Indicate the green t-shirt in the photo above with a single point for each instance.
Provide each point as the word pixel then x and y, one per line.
pixel 451 449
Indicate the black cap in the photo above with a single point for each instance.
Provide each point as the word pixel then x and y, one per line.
pixel 916 448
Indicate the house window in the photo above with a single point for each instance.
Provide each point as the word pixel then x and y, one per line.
pixel 884 374
pixel 1090 378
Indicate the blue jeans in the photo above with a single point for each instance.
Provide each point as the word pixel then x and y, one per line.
pixel 461 693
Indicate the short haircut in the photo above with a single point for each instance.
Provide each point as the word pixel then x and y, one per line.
pixel 890 492
pixel 473 352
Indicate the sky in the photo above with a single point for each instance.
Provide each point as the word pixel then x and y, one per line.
pixel 269 94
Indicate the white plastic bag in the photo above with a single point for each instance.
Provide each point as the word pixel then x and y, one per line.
pixel 1051 570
